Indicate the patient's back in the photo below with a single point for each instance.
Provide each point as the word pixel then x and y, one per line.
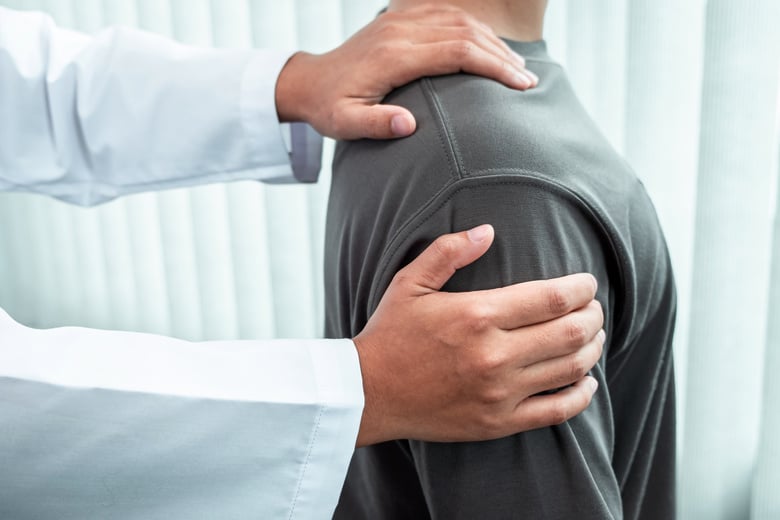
pixel 561 200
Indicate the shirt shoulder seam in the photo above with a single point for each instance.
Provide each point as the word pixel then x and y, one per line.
pixel 446 136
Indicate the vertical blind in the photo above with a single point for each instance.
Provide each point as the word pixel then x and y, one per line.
pixel 687 91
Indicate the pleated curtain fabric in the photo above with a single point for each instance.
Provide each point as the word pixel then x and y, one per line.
pixel 687 90
pixel 729 315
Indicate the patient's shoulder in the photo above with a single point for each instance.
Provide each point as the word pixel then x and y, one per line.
pixel 424 157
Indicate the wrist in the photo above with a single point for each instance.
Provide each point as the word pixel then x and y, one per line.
pixel 292 88
pixel 373 422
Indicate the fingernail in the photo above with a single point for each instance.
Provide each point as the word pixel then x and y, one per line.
pixel 593 384
pixel 602 336
pixel 401 126
pixel 523 80
pixel 533 76
pixel 479 233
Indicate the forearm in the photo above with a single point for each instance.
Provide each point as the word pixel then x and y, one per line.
pixel 88 119
pixel 155 420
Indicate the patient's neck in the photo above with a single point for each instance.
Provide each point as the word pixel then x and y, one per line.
pixel 520 20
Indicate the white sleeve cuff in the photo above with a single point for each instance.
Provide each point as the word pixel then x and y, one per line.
pixel 301 143
pixel 258 107
pixel 334 435
pixel 129 425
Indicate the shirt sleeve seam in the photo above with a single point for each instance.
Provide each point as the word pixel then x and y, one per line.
pixel 306 462
pixel 493 177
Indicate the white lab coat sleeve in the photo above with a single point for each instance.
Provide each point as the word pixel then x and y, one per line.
pixel 86 119
pixel 100 424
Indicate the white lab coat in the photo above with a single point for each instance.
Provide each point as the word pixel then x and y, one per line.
pixel 100 424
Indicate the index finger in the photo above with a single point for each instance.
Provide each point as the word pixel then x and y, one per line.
pixel 462 20
pixel 456 32
pixel 528 303
pixel 453 56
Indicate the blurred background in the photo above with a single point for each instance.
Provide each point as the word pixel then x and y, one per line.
pixel 686 90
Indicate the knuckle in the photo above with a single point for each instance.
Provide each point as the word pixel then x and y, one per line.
pixel 560 412
pixel 428 8
pixel 402 277
pixel 374 121
pixel 446 246
pixel 463 49
pixel 460 17
pixel 506 68
pixel 577 331
pixel 480 318
pixel 392 29
pixel 557 300
pixel 485 365
pixel 470 34
pixel 577 367
pixel 494 395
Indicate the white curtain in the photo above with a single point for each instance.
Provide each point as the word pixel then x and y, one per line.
pixel 687 90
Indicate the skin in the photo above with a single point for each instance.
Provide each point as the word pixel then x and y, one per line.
pixel 520 20
pixel 444 366
pixel 339 92
pixel 467 366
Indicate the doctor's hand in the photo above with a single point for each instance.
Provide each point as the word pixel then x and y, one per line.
pixel 470 366
pixel 339 92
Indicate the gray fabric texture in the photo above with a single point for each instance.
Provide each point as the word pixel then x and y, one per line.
pixel 562 201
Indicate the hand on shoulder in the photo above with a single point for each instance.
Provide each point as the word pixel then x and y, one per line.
pixel 340 92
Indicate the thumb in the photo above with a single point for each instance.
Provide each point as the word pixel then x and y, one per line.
pixel 448 253
pixel 377 122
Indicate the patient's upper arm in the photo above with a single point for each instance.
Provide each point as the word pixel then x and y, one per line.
pixel 541 232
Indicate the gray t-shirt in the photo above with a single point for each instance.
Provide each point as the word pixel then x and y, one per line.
pixel 562 201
